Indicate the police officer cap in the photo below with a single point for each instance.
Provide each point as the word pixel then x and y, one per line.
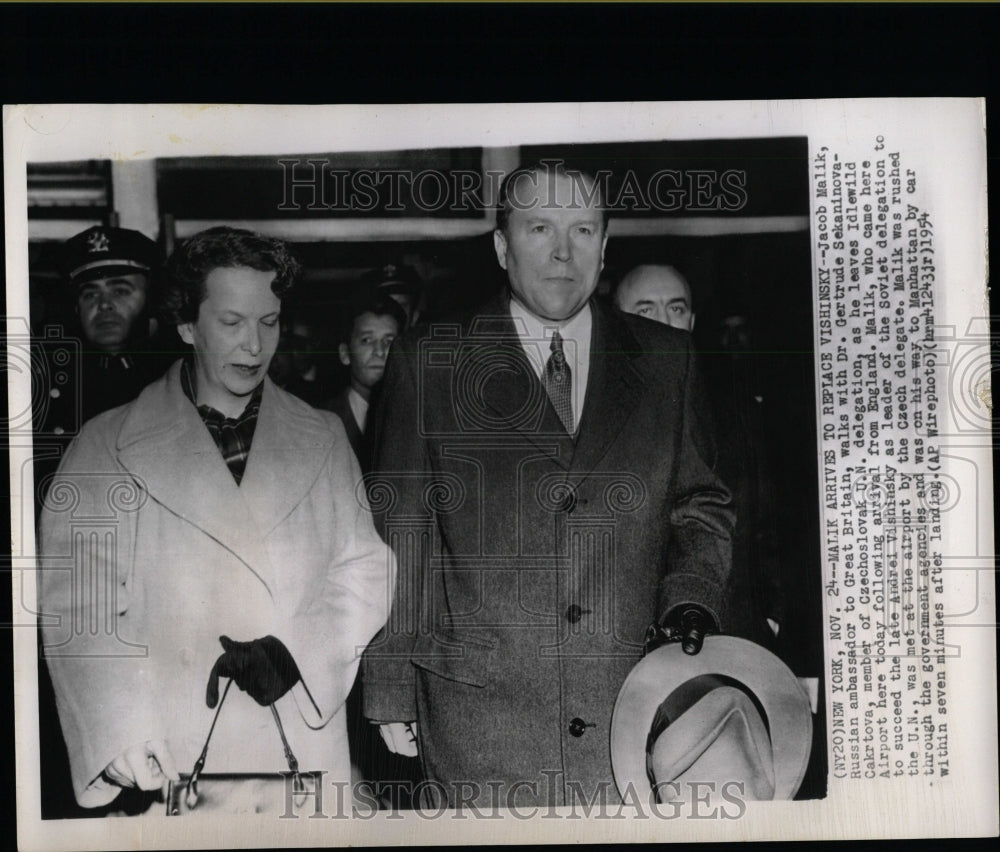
pixel 101 251
pixel 393 278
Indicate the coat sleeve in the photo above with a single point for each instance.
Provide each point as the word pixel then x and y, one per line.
pixel 700 550
pixel 398 485
pixel 332 627
pixel 92 640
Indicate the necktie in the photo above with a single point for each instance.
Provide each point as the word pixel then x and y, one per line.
pixel 558 382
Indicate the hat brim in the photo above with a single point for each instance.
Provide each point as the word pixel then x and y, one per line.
pixel 657 675
pixel 107 268
pixel 402 288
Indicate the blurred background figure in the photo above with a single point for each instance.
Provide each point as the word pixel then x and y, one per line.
pixel 374 321
pixel 402 284
pixel 658 292
pixel 368 334
pixel 301 364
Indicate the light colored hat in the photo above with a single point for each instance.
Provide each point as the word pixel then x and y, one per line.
pixel 733 712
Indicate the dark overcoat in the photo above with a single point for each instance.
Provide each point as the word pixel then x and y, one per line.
pixel 531 562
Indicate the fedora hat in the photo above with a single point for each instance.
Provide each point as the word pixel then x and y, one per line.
pixel 733 712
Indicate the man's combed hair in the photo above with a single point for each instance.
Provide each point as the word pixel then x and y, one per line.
pixel 221 248
pixel 544 168
pixel 379 305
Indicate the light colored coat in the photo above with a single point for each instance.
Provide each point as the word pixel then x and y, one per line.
pixel 150 552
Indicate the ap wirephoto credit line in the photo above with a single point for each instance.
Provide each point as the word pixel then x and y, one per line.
pixel 545 472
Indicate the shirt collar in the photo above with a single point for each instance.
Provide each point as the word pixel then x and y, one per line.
pixel 109 360
pixel 189 384
pixel 359 408
pixel 530 328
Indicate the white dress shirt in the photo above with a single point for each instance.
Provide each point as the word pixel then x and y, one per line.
pixel 536 336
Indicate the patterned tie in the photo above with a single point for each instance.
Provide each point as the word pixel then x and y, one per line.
pixel 558 382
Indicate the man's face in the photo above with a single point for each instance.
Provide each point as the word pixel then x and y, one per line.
pixel 553 244
pixel 109 307
pixel 658 293
pixel 365 353
pixel 234 337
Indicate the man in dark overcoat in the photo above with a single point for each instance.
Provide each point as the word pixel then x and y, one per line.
pixel 544 474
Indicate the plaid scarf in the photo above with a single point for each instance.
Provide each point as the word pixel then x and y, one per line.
pixel 232 435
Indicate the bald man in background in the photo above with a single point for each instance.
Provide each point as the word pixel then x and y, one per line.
pixel 658 292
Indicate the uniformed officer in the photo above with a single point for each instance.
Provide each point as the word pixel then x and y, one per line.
pixel 104 358
pixel 100 361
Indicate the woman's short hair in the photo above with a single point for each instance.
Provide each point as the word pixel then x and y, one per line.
pixel 222 247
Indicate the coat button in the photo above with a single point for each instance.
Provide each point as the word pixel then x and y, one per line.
pixel 574 614
pixel 577 726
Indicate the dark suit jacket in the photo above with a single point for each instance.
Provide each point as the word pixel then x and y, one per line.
pixel 341 406
pixel 531 563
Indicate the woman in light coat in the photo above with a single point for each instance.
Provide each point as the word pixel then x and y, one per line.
pixel 151 551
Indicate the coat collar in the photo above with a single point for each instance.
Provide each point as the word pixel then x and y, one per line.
pixel 614 386
pixel 164 442
pixel 502 385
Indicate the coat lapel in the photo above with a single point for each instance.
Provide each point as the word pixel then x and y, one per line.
pixel 289 448
pixel 512 391
pixel 614 388
pixel 164 442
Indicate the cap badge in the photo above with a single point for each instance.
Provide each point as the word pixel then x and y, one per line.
pixel 98 241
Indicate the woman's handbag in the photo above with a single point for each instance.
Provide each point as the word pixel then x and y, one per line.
pixel 243 792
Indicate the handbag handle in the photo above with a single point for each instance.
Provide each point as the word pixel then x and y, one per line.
pixel 191 793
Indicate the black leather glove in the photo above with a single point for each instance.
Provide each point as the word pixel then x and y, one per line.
pixel 685 624
pixel 263 668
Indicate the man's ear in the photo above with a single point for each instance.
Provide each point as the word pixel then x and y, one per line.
pixel 500 246
pixel 345 354
pixel 692 322
pixel 186 333
pixel 604 245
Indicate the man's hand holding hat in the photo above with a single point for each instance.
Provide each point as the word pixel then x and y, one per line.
pixel 687 624
pixel 732 714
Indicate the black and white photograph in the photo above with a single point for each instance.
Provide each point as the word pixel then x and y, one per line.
pixel 591 470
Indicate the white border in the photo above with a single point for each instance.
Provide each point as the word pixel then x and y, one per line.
pixel 943 139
